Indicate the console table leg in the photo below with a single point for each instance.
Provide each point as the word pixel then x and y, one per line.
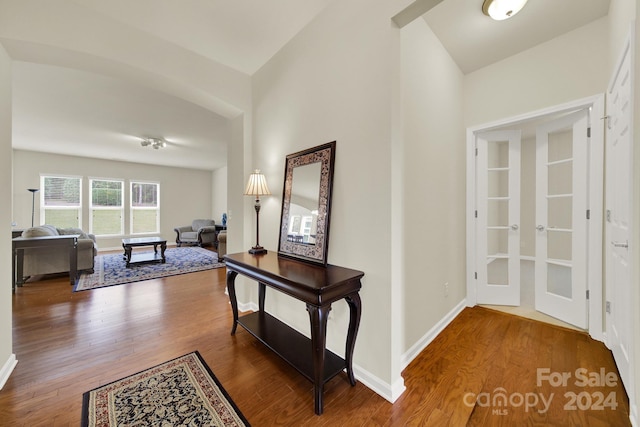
pixel 261 294
pixel 318 317
pixel 354 323
pixel 231 288
pixel 73 262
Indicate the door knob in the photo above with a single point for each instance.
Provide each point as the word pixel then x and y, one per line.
pixel 540 228
pixel 514 227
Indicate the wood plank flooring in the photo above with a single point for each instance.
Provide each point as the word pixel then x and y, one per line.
pixel 68 343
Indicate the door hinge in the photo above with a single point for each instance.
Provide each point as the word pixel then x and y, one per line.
pixel 608 215
pixel 588 213
pixel 475 274
pixel 588 132
pixel 476 151
pixel 476 213
pixel 587 293
pixel 608 307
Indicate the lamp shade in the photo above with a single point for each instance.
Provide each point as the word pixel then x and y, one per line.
pixel 502 9
pixel 257 185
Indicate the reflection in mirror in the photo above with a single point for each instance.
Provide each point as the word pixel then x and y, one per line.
pixel 306 202
pixel 303 207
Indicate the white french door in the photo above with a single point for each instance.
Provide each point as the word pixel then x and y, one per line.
pixel 560 153
pixel 498 217
pixel 562 147
pixel 619 199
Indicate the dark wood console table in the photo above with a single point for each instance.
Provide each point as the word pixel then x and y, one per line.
pixel 19 244
pixel 318 287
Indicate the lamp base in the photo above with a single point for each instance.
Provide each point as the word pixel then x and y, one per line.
pixel 257 250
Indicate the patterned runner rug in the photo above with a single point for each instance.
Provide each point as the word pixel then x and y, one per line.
pixel 181 392
pixel 111 269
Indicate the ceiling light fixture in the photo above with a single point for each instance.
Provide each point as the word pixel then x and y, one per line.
pixel 502 9
pixel 154 142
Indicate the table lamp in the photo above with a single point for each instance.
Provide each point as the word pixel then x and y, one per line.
pixel 257 186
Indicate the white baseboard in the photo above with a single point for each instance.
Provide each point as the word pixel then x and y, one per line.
pixel 247 306
pixel 633 414
pixel 390 392
pixel 423 342
pixel 7 369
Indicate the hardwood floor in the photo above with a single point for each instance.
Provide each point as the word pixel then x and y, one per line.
pixel 68 343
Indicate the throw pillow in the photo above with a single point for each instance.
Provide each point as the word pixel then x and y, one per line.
pixel 40 231
pixel 71 230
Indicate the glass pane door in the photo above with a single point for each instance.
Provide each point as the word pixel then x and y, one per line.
pixel 498 217
pixel 561 209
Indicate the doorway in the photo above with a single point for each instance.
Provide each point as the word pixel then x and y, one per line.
pixel 534 202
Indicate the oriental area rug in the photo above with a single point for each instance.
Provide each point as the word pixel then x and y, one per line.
pixel 180 392
pixel 111 269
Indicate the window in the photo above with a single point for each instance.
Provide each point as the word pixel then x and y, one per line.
pixel 107 207
pixel 145 207
pixel 60 202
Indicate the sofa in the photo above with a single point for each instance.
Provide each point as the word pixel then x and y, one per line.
pixel 39 261
pixel 201 232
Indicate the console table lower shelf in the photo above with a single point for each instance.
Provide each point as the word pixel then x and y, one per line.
pixel 289 344
pixel 318 287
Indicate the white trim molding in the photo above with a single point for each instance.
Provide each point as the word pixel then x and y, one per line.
pixel 423 342
pixel 390 392
pixel 7 369
pixel 246 306
pixel 633 414
pixel 596 180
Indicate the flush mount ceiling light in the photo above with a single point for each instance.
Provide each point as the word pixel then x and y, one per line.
pixel 154 142
pixel 502 9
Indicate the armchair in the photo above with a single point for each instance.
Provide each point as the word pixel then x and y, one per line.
pixel 201 232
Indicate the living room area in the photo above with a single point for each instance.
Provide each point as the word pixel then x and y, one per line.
pixel 373 76
pixel 184 194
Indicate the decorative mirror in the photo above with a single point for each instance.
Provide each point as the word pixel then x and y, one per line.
pixel 306 204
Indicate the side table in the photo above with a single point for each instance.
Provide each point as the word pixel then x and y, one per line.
pixel 318 287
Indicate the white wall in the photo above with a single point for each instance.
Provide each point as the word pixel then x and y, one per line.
pixel 7 358
pixel 185 194
pixel 434 182
pixel 333 81
pixel 564 69
pixel 635 278
pixel 219 193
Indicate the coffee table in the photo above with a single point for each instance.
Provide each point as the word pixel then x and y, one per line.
pixel 138 258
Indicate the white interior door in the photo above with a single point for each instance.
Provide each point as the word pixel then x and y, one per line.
pixel 498 217
pixel 619 196
pixel 561 218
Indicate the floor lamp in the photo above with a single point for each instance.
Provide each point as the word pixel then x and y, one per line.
pixel 257 186
pixel 33 202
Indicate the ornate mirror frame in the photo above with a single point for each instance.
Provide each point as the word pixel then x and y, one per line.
pixel 315 252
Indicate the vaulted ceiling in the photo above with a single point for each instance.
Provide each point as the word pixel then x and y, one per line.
pixel 72 111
